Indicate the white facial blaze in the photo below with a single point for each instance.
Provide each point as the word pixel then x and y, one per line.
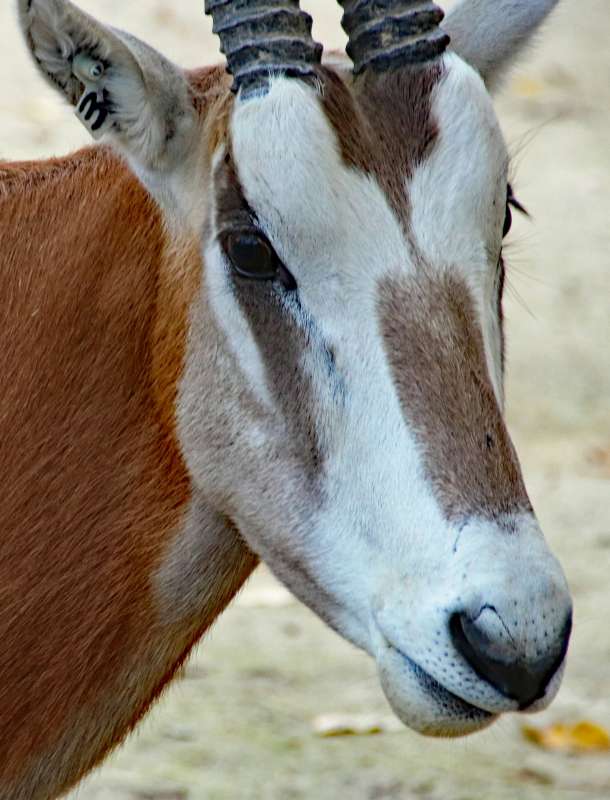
pixel 335 231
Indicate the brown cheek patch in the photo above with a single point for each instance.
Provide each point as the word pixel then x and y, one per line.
pixel 436 353
pixel 384 126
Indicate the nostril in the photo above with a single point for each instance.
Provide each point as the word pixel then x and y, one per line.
pixel 497 660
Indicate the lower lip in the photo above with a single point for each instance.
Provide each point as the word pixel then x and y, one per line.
pixel 440 694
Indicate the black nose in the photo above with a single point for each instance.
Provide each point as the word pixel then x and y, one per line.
pixel 515 677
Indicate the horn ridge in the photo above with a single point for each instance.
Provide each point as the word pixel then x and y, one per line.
pixel 389 34
pixel 261 37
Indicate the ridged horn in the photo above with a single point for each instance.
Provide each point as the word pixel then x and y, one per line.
pixel 261 38
pixel 389 34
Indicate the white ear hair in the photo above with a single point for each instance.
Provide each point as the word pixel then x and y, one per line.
pixel 490 34
pixel 120 86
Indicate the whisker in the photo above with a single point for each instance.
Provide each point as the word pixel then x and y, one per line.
pixel 519 260
pixel 510 288
pixel 519 145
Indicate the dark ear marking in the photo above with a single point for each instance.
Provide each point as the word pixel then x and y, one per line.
pixel 91 104
pixel 94 107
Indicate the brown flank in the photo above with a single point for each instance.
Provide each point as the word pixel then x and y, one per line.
pixel 94 319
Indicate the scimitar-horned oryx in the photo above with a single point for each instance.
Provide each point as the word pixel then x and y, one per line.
pixel 263 319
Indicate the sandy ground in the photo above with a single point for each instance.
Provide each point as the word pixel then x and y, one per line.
pixel 239 725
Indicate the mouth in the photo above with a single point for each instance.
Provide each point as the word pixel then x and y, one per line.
pixel 423 703
pixel 438 692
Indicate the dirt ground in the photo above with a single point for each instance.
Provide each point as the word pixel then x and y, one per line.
pixel 239 724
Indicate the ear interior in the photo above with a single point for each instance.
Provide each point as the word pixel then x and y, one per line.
pixel 57 32
pixel 117 83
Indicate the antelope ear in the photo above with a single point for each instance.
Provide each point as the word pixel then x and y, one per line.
pixel 490 34
pixel 120 87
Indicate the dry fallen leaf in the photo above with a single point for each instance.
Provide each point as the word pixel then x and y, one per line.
pixel 583 737
pixel 328 725
pixel 600 457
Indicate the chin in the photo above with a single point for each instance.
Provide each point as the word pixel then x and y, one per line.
pixel 423 704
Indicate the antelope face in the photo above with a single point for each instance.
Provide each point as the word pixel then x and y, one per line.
pixel 341 399
pixel 353 272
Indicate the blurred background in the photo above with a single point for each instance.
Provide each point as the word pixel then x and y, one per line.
pixel 254 710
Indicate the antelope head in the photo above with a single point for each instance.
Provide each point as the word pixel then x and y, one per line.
pixel 341 397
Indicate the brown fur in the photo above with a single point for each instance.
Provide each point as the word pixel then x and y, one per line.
pixel 214 101
pixel 384 125
pixel 435 348
pixel 95 490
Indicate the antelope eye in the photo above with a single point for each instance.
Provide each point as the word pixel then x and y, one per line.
pixel 251 255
